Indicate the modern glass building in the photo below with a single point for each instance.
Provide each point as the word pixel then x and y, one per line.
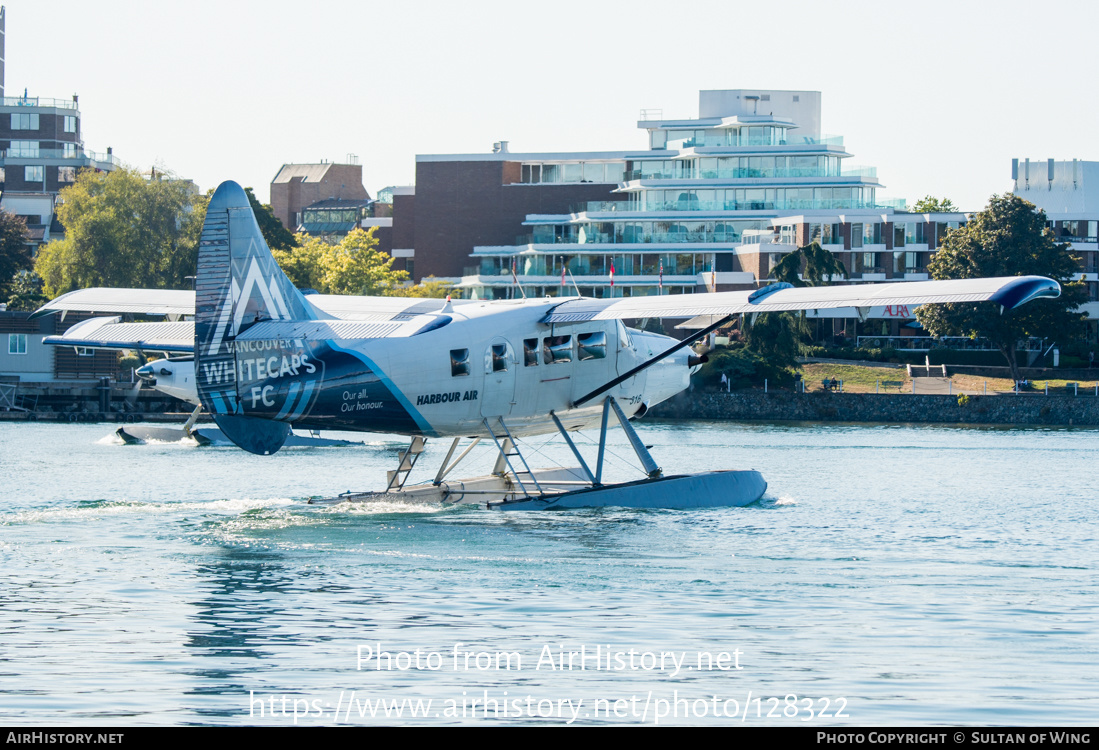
pixel 712 203
pixel 1068 191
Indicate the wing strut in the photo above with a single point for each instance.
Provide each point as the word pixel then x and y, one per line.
pixel 644 365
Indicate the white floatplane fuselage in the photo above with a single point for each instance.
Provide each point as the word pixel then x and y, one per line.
pixel 266 356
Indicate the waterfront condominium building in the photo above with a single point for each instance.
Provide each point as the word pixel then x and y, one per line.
pixel 41 151
pixel 711 203
pixel 1068 191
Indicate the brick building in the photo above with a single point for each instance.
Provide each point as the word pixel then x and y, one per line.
pixel 298 186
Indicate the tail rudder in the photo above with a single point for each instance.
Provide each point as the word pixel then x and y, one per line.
pixel 238 283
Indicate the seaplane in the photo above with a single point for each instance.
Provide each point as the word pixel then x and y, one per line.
pixel 260 357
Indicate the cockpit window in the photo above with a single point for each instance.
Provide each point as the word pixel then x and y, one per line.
pixel 623 336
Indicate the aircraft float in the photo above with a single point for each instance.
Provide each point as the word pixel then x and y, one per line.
pixel 260 357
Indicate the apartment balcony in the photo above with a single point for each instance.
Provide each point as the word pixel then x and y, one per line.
pixel 630 243
pixel 620 207
pixel 37 101
pixel 869 274
pixel 16 156
pixel 857 173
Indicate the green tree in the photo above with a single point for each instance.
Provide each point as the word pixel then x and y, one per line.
pixel 277 236
pixel 778 336
pixel 931 205
pixel 821 267
pixel 743 368
pixel 26 292
pixel 429 287
pixel 352 266
pixel 122 230
pixel 1008 238
pixel 15 256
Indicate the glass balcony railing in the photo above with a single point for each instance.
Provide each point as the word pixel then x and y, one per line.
pixel 897 204
pixel 745 138
pixel 37 101
pixel 102 157
pixel 603 207
pixel 592 265
pixel 57 153
pixel 634 238
pixel 748 174
pixel 685 205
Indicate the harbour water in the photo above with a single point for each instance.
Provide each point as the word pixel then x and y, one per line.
pixel 892 575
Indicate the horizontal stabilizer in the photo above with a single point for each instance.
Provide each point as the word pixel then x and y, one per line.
pixel 108 333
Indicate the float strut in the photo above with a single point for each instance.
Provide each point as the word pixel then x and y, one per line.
pixel 572 447
pixel 638 446
pixel 191 421
pixel 446 469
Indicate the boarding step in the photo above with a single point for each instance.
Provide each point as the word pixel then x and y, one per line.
pixel 396 479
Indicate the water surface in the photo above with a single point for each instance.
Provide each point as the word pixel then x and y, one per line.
pixel 920 574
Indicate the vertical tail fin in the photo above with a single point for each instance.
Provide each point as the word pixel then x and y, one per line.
pixel 238 284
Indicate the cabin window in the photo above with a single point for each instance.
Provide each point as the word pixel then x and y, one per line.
pixel 17 343
pixel 530 352
pixel 591 345
pixel 556 349
pixel 459 362
pixel 497 358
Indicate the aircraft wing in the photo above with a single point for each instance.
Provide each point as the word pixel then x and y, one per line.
pixel 350 307
pixel 109 333
pixel 169 302
pixel 1009 292
pixel 323 330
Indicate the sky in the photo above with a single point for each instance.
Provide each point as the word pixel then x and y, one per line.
pixel 939 96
